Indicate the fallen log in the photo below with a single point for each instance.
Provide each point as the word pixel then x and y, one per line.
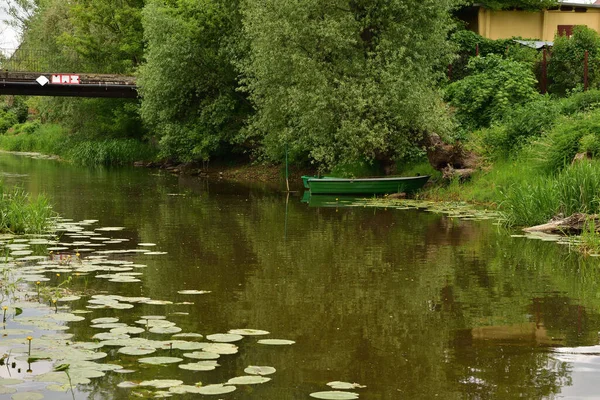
pixel 575 223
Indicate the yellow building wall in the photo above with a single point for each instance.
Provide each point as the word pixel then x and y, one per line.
pixel 541 25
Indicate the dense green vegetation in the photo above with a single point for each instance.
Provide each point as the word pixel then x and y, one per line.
pixel 352 87
pixel 20 213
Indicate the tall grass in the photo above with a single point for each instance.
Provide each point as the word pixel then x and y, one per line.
pixel 109 152
pixel 53 139
pixel 575 189
pixel 19 213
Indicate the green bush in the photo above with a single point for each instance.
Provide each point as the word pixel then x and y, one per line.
pixel 7 120
pixel 520 125
pixel 494 87
pixel 581 102
pixel 565 69
pixel 557 149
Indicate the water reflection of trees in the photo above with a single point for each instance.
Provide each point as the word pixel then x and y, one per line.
pixel 410 303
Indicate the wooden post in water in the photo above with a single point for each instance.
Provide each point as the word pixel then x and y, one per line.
pixel 287 181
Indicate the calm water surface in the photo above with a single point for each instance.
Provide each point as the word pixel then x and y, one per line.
pixel 411 304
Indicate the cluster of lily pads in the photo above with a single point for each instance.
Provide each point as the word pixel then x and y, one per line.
pixel 460 210
pixel 342 391
pixel 37 298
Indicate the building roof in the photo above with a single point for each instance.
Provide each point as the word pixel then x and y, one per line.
pixel 535 44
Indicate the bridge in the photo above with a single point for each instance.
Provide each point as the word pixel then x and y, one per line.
pixel 33 73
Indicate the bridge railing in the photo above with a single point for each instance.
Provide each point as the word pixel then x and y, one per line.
pixel 32 59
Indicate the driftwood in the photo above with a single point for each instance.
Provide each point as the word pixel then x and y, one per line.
pixel 575 223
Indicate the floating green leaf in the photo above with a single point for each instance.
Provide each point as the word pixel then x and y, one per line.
pixel 224 337
pixel 276 342
pixel 344 385
pixel 200 366
pixel 194 291
pixel 335 395
pixel 136 351
pixel 248 380
pixel 202 355
pixel 248 332
pixel 161 383
pixel 257 370
pixel 215 389
pixel 160 360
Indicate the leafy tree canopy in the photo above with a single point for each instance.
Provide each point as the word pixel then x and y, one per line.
pixel 189 83
pixel 530 5
pixel 494 86
pixel 339 81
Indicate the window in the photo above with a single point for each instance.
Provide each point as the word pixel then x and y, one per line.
pixel 565 30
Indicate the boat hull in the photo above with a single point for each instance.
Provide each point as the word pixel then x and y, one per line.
pixel 366 185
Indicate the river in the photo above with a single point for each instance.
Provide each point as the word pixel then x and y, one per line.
pixel 409 303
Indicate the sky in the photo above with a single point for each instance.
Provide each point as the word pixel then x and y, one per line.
pixel 8 36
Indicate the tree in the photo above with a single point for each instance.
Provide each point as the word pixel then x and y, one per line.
pixel 530 5
pixel 566 65
pixel 492 88
pixel 341 81
pixel 189 83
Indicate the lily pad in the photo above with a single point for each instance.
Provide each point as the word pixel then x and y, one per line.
pixel 162 383
pixel 276 342
pixel 221 348
pixel 9 381
pixel 69 298
pixel 200 366
pixel 202 355
pixel 183 389
pixel 136 351
pixel 131 330
pixel 258 370
pixel 160 360
pixel 194 291
pixel 248 332
pixel 188 335
pixel 166 329
pixel 344 385
pixel 127 384
pixel 216 389
pixel 66 317
pixel 248 380
pixel 334 395
pixel 224 337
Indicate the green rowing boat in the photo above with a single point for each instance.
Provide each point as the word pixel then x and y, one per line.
pixel 331 185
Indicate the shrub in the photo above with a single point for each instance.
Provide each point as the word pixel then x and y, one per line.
pixel 493 88
pixel 7 120
pixel 565 69
pixel 581 102
pixel 557 149
pixel 521 124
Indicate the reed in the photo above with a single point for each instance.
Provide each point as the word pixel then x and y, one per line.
pixel 20 213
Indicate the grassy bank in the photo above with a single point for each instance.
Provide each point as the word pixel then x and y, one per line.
pixel 20 213
pixel 55 140
pixel 528 170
